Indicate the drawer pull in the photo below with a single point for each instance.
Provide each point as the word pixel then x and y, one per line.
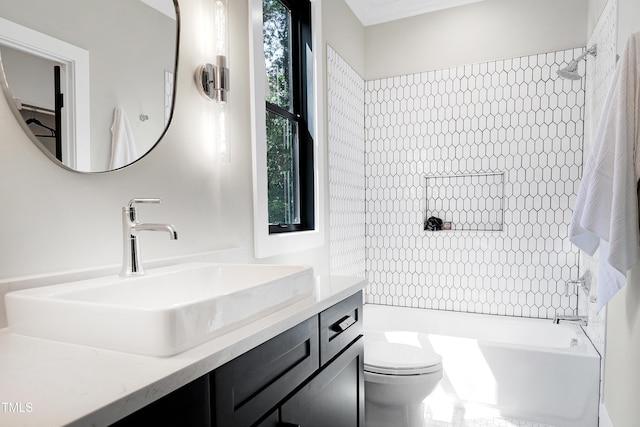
pixel 288 425
pixel 343 324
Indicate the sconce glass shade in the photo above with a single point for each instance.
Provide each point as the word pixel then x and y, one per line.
pixel 212 80
pixel 224 154
pixel 221 20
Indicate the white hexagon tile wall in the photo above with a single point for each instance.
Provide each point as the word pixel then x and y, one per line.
pixel 345 105
pixel 513 119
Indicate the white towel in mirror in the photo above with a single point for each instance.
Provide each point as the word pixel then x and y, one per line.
pixel 123 145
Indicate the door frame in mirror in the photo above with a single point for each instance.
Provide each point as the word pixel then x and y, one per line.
pixel 75 124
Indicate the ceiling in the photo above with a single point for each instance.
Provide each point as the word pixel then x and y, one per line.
pixel 371 12
pixel 163 6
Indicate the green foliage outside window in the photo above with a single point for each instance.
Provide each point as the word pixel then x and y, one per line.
pixel 282 173
pixel 277 53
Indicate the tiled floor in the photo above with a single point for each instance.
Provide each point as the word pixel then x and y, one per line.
pixel 459 418
pixel 442 412
pixel 445 414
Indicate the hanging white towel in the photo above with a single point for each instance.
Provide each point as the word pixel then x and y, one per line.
pixel 606 211
pixel 123 146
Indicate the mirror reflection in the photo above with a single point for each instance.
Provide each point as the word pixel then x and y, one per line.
pixel 91 81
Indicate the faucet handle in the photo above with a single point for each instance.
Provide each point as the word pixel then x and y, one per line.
pixel 131 213
pixel 570 287
pixel 152 200
pixel 584 283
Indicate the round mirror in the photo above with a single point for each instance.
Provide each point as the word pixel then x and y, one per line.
pixel 91 81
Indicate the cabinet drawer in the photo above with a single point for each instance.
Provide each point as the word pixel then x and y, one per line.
pixel 340 325
pixel 250 385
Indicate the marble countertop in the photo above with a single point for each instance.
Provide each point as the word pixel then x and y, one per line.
pixel 47 383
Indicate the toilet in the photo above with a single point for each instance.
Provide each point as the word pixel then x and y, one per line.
pixel 398 377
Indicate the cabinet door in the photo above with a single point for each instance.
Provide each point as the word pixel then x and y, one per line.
pixel 250 386
pixel 335 397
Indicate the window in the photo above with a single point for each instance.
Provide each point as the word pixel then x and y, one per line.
pixel 288 165
pixel 287 51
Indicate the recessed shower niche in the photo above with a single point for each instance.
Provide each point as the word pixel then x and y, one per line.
pixel 464 202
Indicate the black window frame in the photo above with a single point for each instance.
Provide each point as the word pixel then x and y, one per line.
pixel 301 37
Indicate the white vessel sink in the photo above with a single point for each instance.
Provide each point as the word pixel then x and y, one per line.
pixel 164 312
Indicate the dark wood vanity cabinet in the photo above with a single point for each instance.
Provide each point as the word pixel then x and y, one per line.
pixel 187 406
pixel 309 376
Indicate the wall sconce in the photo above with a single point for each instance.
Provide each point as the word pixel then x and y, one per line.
pixel 212 80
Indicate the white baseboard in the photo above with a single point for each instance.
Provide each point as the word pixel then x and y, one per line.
pixel 605 421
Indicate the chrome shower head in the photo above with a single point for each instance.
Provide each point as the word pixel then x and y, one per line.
pixel 570 72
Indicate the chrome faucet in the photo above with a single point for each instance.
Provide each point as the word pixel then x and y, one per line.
pixel 583 283
pixel 131 227
pixel 577 320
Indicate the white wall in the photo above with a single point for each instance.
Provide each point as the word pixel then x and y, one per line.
pixel 54 220
pixel 479 32
pixel 622 370
pixel 344 33
pixel 628 21
pixel 595 8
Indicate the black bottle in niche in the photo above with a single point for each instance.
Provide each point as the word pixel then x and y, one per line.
pixel 433 224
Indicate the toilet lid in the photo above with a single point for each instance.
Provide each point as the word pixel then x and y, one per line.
pixel 384 357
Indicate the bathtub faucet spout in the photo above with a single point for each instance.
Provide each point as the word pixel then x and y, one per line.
pixel 577 320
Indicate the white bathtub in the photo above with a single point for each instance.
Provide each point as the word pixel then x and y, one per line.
pixel 522 368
